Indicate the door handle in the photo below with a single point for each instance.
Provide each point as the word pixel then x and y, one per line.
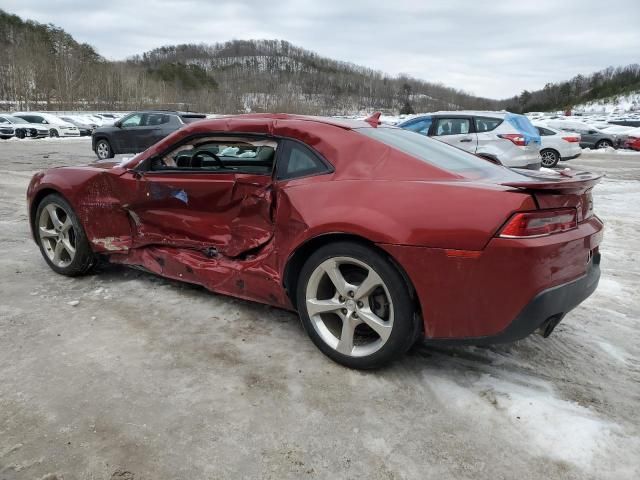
pixel 465 139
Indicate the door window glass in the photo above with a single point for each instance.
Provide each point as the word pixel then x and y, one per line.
pixel 132 121
pixel 452 126
pixel 224 155
pixel 155 119
pixel 486 124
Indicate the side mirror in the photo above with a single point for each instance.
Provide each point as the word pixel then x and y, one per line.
pixel 45 122
pixel 117 124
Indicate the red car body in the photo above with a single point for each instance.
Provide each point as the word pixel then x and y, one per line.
pixel 246 235
pixel 633 142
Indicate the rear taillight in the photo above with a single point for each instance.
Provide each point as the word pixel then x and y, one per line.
pixel 540 223
pixel 571 139
pixel 515 138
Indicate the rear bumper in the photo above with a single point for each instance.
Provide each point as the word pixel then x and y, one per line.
pixel 543 312
pixel 466 296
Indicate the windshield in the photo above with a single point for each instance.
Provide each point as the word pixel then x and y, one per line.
pixel 431 151
pixel 14 119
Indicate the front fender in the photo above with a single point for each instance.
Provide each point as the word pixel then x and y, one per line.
pixel 90 193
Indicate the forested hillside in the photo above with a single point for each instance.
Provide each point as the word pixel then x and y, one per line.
pixel 580 89
pixel 43 67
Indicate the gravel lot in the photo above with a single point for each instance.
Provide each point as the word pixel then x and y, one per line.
pixel 150 379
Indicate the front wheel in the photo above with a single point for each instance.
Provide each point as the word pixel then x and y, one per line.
pixel 20 134
pixel 549 158
pixel 604 144
pixel 62 240
pixel 356 306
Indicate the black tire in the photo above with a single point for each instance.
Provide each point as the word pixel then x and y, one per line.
pixel 84 258
pixel 53 133
pixel 405 327
pixel 20 133
pixel 103 149
pixel 549 158
pixel 604 144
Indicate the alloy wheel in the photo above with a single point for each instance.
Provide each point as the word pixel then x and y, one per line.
pixel 548 159
pixel 103 150
pixel 349 306
pixel 57 235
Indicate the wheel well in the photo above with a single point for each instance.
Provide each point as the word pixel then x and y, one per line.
pixel 296 261
pixel 551 150
pixel 34 206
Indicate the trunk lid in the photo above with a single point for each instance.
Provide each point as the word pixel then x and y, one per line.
pixel 560 189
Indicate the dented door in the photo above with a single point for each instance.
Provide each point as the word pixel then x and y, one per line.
pixel 227 213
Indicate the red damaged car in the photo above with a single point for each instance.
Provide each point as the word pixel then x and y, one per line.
pixel 375 235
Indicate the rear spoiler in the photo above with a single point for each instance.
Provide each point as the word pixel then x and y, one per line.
pixel 565 181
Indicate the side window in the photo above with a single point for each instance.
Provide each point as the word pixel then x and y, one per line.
pixel 3 120
pixel 421 126
pixel 545 132
pixel 298 160
pixel 153 119
pixel 452 126
pixel 221 155
pixel 132 121
pixel 486 124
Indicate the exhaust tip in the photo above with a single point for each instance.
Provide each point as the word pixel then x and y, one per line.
pixel 549 325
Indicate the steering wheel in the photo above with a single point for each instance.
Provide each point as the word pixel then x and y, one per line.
pixel 207 153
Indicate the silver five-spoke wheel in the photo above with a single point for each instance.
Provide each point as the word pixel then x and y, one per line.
pixel 349 306
pixel 103 150
pixel 57 235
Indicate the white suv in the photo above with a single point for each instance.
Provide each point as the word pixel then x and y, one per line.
pixel 57 127
pixel 506 137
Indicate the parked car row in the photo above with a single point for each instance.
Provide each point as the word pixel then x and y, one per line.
pixel 44 124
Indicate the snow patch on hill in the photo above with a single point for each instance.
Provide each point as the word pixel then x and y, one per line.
pixel 619 103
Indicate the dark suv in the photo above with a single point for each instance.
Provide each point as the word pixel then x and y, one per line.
pixel 138 131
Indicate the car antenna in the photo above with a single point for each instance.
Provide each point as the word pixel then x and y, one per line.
pixel 374 119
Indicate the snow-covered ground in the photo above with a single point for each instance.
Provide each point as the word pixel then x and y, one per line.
pixel 122 371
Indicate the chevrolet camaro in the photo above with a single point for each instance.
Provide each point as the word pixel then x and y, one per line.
pixel 377 236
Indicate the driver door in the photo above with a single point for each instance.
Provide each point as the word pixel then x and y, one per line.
pixel 223 205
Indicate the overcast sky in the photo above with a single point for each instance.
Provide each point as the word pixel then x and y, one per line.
pixel 489 48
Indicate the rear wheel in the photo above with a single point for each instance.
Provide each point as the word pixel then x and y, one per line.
pixel 62 240
pixel 356 306
pixel 103 150
pixel 549 158
pixel 604 144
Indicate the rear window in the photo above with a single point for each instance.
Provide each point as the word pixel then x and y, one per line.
pixel 192 118
pixel 431 151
